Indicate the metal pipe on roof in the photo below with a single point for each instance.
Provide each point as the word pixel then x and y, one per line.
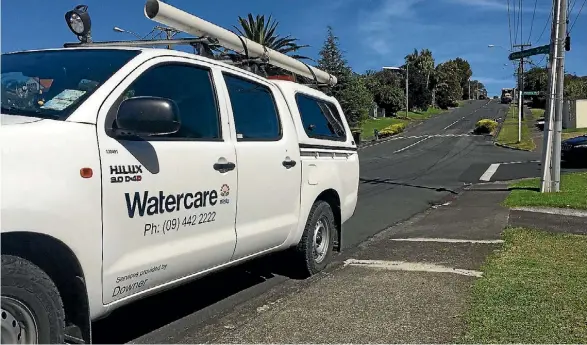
pixel 168 15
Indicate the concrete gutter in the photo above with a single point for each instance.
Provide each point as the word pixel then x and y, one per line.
pixel 551 219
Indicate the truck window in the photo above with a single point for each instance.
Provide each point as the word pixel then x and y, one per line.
pixel 254 110
pixel 192 89
pixel 321 119
pixel 52 84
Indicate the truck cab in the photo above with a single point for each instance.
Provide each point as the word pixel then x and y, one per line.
pixel 127 171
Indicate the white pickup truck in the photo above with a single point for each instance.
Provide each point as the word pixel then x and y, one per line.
pixel 127 171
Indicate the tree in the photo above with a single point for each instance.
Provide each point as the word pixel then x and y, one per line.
pixel 385 86
pixel 421 67
pixel 350 90
pixel 355 100
pixel 477 89
pixel 575 87
pixel 449 89
pixel 464 72
pixel 264 32
pixel 332 60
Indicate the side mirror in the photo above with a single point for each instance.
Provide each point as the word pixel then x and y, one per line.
pixel 147 116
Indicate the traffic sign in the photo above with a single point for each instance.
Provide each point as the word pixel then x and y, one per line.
pixel 545 49
pixel 531 93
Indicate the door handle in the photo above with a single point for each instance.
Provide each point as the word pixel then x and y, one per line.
pixel 288 163
pixel 224 167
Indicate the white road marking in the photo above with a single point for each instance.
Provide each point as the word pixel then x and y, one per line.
pixel 521 162
pixel 453 123
pixel 411 266
pixel 407 147
pixel 386 140
pixel 444 240
pixel 489 172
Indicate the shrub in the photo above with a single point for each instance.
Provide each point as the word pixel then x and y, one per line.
pixel 485 126
pixel 392 130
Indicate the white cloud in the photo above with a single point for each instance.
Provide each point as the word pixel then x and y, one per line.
pixel 499 5
pixel 493 81
pixel 380 26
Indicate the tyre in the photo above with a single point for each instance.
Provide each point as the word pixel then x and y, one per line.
pixel 314 251
pixel 32 310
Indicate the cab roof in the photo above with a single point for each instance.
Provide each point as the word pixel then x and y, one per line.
pixel 147 53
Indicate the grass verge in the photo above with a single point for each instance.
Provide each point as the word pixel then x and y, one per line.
pixel 572 194
pixel 534 290
pixel 369 125
pixel 536 112
pixel 422 115
pixel 508 135
pixel 573 132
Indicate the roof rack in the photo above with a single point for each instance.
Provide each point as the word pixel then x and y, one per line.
pixel 246 54
pixel 144 43
pixel 253 52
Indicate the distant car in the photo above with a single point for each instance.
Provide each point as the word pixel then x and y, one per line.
pixel 495 97
pixel 540 123
pixel 574 150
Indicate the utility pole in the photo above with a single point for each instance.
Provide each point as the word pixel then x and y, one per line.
pixel 560 81
pixel 469 93
pixel 407 85
pixel 554 107
pixel 521 90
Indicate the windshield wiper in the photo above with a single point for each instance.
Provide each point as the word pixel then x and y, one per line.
pixel 27 112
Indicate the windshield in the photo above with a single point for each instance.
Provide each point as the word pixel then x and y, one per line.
pixel 52 84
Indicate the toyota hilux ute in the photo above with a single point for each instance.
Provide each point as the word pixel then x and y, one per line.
pixel 127 171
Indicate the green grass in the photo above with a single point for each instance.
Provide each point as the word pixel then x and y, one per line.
pixel 508 135
pixel 534 290
pixel 369 125
pixel 573 132
pixel 421 115
pixel 573 193
pixel 537 112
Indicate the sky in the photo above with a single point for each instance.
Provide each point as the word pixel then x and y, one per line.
pixel 372 33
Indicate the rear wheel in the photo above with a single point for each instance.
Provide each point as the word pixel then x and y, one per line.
pixel 32 310
pixel 315 248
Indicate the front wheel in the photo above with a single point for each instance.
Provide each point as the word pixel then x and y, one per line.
pixel 315 248
pixel 32 310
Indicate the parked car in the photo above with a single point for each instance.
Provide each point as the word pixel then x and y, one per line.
pixel 574 150
pixel 136 170
pixel 540 123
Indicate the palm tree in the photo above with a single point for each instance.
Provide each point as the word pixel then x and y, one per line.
pixel 264 32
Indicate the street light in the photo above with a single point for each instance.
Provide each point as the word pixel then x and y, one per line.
pixel 117 29
pixel 407 75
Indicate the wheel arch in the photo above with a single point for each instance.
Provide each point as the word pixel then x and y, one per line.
pixel 332 197
pixel 60 263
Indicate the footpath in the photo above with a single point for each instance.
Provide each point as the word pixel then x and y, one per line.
pixel 409 284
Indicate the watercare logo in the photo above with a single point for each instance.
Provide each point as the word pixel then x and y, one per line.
pixel 160 202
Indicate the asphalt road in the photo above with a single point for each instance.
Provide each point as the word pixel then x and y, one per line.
pixel 399 178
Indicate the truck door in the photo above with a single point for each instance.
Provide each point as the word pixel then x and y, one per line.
pixel 167 212
pixel 268 160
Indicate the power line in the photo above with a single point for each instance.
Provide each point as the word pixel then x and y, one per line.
pixel 545 25
pixel 571 7
pixel 532 22
pixel 510 26
pixel 521 23
pixel 578 14
pixel 516 24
